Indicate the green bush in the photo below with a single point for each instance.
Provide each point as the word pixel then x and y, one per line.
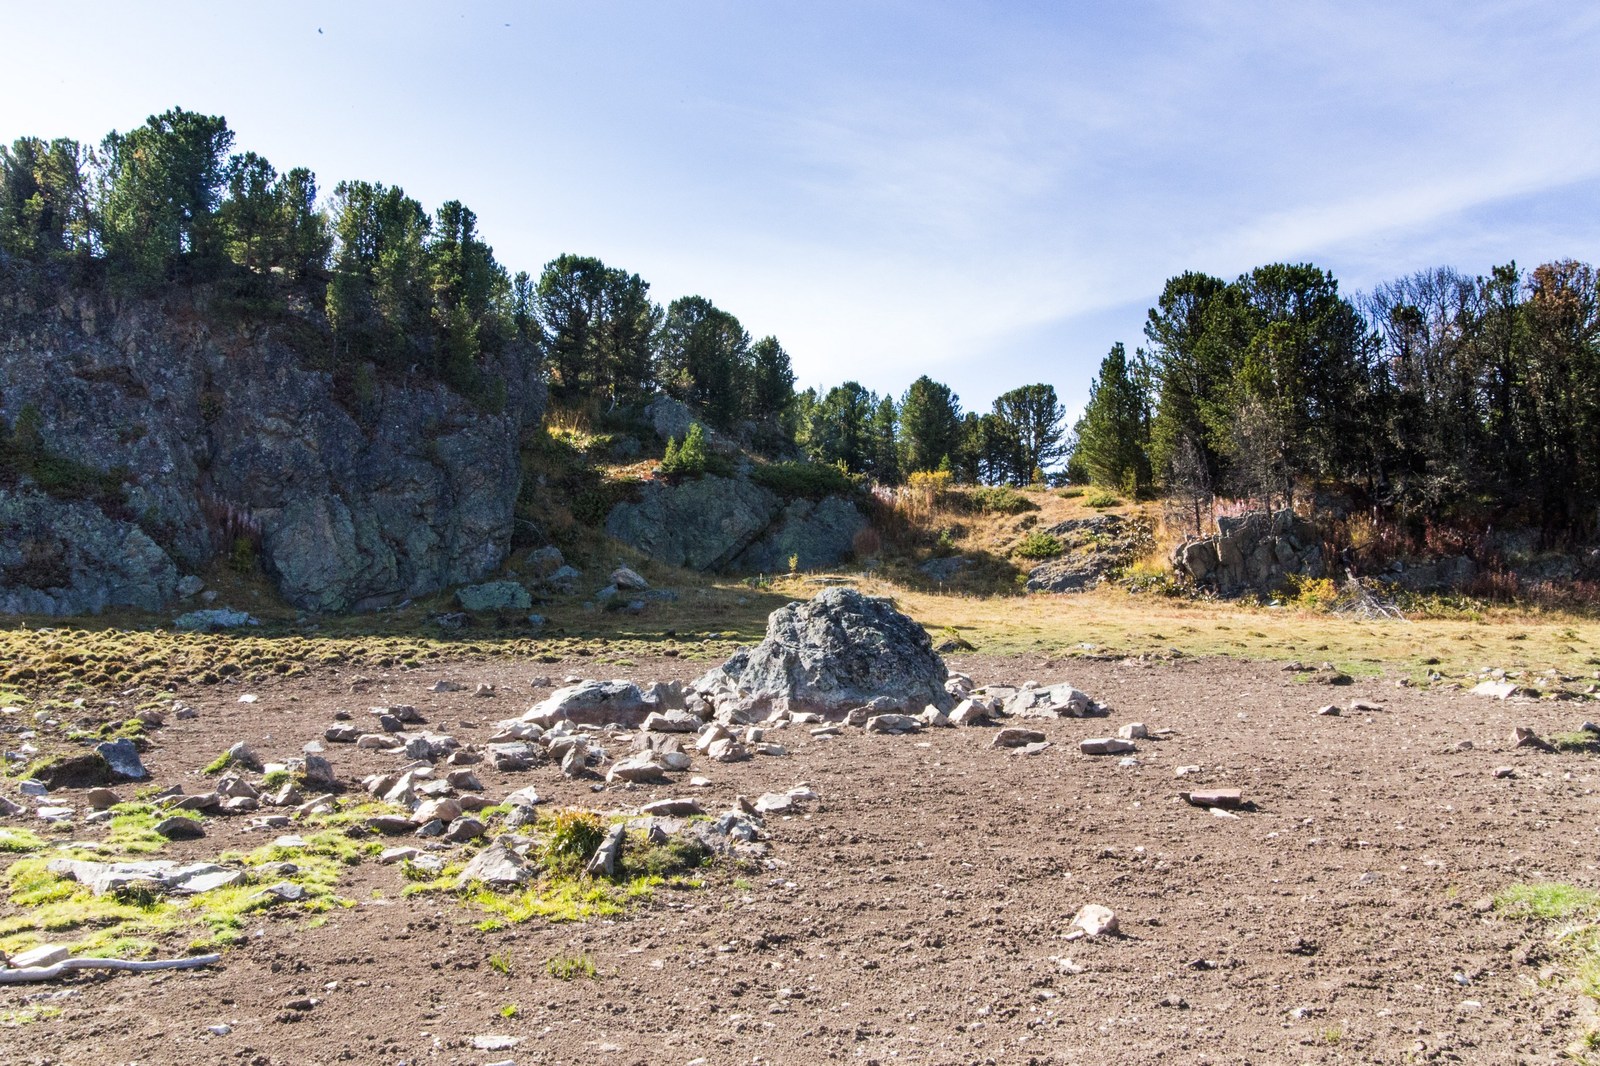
pixel 1001 499
pixel 1039 545
pixel 1102 498
pixel 687 459
pixel 809 480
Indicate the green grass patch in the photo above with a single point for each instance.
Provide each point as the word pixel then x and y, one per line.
pixel 1581 741
pixel 133 828
pixel 1547 901
pixel 15 1019
pixel 19 840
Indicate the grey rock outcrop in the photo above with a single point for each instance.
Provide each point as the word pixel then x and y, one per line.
pixel 69 557
pixel 1096 548
pixel 494 596
pixel 227 429
pixel 1252 553
pixel 715 523
pixel 840 651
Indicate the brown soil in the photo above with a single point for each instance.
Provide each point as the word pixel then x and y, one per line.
pixel 920 914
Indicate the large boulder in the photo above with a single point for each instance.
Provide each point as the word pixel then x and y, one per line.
pixel 840 651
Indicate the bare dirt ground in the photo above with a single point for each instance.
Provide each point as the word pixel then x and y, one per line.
pixel 920 913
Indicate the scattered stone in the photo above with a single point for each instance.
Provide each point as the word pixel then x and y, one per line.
pixel 1523 737
pixel 446 686
pixel 1014 737
pixel 1505 771
pixel 609 854
pixel 628 580
pixel 643 766
pixel 1093 920
pixel 1367 706
pixel 969 712
pixel 390 824
pixel 494 1042
pixel 1133 731
pixel 1054 701
pixel 244 757
pixel 1228 798
pixel 1106 746
pixel 671 722
pixel 123 759
pixel 463 829
pixel 893 724
pixel 594 703
pixel 1494 689
pixel 672 808
pixel 284 891
pixel 484 690
pixel 102 798
pixel 393 855
pixel 498 867
pixel 1332 710
pixel 178 828
pixel 341 734
pixel 465 780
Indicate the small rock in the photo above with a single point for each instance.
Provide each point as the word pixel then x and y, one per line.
pixel 464 829
pixel 177 828
pixel 1093 920
pixel 1332 710
pixel 609 853
pixel 1133 731
pixel 101 798
pixel 672 808
pixel 394 855
pixel 1227 798
pixel 123 758
pixel 341 734
pixel 496 866
pixel 1106 746
pixel 1494 689
pixel 1367 706
pixel 893 724
pixel 1185 771
pixel 41 956
pixel 243 756
pixel 446 686
pixel 1505 771
pixel 1014 737
pixel 1523 737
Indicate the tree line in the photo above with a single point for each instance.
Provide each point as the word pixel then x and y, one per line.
pixel 404 290
pixel 1437 394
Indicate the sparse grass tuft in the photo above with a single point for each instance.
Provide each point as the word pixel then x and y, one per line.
pixel 571 967
pixel 569 837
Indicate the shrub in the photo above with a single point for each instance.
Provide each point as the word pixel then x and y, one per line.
pixel 1000 499
pixel 810 481
pixel 570 837
pixel 1102 498
pixel 1039 545
pixel 689 458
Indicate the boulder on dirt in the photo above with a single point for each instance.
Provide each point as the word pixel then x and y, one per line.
pixel 1255 551
pixel 594 703
pixel 628 580
pixel 75 771
pixel 893 723
pixel 839 651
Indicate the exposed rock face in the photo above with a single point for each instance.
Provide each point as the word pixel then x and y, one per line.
pixel 840 651
pixel 715 523
pixel 1254 552
pixel 226 429
pixel 1096 548
pixel 69 557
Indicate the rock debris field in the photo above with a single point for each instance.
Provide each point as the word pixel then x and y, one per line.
pixel 1110 861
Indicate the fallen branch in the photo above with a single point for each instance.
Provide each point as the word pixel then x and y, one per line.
pixel 50 973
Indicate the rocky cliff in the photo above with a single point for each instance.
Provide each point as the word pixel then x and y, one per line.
pixel 228 432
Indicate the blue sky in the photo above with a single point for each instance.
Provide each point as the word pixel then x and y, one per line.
pixel 990 193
